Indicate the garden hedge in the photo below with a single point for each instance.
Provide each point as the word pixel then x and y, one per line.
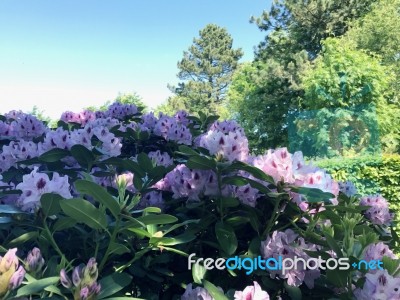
pixel 371 175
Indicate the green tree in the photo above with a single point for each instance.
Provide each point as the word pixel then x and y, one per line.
pixel 379 33
pixel 262 95
pixel 38 113
pixel 206 69
pixel 130 98
pixel 171 105
pixel 302 25
pixel 343 79
pixel 295 30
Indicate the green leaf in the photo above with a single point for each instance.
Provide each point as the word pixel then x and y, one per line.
pixel 10 209
pixel 99 194
pixel 36 286
pixel 83 156
pixel 157 173
pixel 134 167
pixel 256 172
pixel 23 238
pixel 201 163
pixel 237 220
pixel 118 249
pixel 391 265
pixel 338 277
pixel 214 291
pixel 313 195
pixel 169 241
pixel 293 291
pixel 113 284
pixel 157 219
pixel 228 201
pixel 64 223
pixel 187 151
pixel 332 243
pixel 51 204
pixel 198 272
pixel 226 237
pixel 84 212
pixel 152 209
pixel 141 233
pixel 54 155
pixel 5 220
pixel 145 162
pixel 235 180
pixel 176 226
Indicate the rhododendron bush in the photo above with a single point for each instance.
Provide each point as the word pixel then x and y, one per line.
pixel 109 205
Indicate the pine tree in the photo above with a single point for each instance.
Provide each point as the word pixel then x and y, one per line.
pixel 206 69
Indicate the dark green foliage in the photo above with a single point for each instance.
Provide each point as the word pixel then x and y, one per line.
pixel 302 25
pixel 370 174
pixel 295 30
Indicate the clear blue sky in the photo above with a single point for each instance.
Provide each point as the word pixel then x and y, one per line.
pixel 68 54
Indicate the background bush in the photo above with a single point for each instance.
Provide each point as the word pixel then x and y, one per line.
pixel 370 174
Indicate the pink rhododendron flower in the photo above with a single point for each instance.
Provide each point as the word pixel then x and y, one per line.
pixel 183 182
pixel 16 151
pixel 35 184
pixel 379 286
pixel 252 292
pixel 172 130
pixel 379 212
pixel 197 293
pixel 378 251
pixel 292 169
pixel 288 244
pixel 161 159
pixel 348 188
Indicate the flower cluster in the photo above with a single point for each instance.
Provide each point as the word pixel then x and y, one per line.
pixel 196 293
pixel 288 168
pixel 17 151
pixel 21 125
pixel 35 184
pixel 84 281
pixel 348 188
pixel 172 130
pixel 252 292
pixel 79 118
pixel 11 273
pixel 153 199
pixel 288 244
pixel 378 213
pixel 378 286
pixel 161 159
pixel 119 110
pixel 184 182
pixel 226 139
pixel 378 251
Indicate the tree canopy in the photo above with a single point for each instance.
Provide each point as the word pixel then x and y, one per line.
pixel 206 69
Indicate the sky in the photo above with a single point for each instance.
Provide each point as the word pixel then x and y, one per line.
pixel 65 55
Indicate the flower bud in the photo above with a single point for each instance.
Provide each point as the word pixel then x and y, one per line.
pixel 64 279
pixel 84 293
pixel 34 261
pixel 9 260
pixel 77 275
pixel 8 267
pixel 16 278
pixel 95 288
pixel 91 272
